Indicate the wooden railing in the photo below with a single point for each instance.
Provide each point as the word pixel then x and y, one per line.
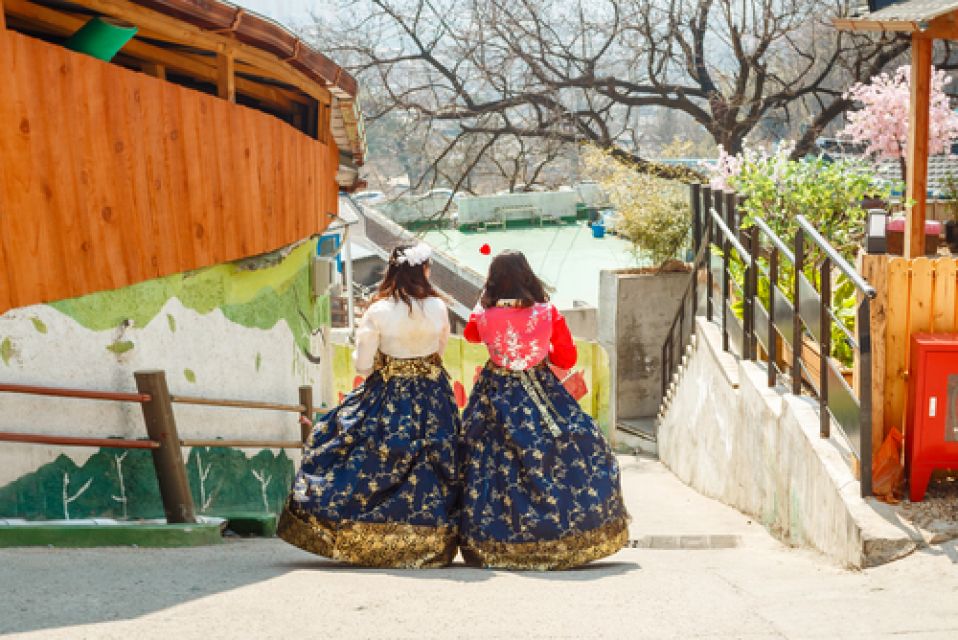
pixel 162 435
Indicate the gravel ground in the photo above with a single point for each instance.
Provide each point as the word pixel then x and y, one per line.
pixel 756 588
pixel 937 514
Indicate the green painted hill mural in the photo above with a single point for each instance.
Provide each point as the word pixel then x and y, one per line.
pixel 121 484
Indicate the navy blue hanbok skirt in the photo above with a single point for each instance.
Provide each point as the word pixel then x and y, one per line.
pixel 541 486
pixel 378 482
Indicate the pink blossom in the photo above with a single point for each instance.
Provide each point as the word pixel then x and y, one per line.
pixel 882 123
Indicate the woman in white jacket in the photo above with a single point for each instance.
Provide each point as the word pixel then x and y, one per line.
pixel 377 485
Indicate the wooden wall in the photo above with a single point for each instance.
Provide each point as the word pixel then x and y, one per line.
pixel 110 177
pixel 914 296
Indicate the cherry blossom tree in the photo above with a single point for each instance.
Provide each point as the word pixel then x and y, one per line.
pixel 882 122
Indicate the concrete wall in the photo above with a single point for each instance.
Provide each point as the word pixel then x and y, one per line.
pixel 246 330
pixel 477 209
pixel 463 360
pixel 635 312
pixel 583 322
pixel 730 437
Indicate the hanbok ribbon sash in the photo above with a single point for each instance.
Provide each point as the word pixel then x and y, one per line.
pixel 538 395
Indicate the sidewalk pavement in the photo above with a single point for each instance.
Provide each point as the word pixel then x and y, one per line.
pixel 700 570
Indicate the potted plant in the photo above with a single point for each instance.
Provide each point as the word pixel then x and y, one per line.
pixel 831 196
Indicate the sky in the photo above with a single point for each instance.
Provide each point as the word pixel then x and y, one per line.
pixel 289 12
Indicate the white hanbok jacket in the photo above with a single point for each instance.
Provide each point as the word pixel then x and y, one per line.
pixel 392 327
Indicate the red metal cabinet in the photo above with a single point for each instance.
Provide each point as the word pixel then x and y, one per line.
pixel 931 436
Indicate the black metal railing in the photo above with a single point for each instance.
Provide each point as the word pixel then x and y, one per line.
pixel 749 258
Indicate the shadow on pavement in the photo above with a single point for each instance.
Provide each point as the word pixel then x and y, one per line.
pixel 51 588
pixel 47 589
pixel 457 572
pixel 593 571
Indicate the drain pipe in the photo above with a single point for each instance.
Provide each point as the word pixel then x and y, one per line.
pixel 101 37
pixel 350 292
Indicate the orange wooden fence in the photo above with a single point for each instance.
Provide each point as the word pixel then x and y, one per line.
pixel 110 177
pixel 913 296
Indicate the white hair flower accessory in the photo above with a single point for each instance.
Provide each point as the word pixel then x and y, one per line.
pixel 416 255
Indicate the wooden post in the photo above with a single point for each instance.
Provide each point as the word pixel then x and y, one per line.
pixel 306 399
pixel 707 209
pixel 226 76
pixel 874 269
pixel 3 17
pixel 797 332
pixel 168 458
pixel 824 347
pixel 323 123
pixel 154 69
pixel 772 336
pixel 917 162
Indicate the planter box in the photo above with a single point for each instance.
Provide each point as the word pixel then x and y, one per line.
pixel 636 309
pixel 811 358
pixel 896 244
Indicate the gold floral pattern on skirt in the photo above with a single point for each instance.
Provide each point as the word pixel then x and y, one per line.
pixel 533 498
pixel 570 551
pixel 378 483
pixel 370 544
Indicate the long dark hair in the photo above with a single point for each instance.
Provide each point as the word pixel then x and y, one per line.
pixel 511 277
pixel 404 281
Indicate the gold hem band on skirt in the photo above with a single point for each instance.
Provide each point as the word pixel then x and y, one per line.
pixel 573 550
pixel 370 544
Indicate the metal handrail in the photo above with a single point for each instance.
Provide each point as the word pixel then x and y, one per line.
pixel 743 253
pixel 836 258
pixel 774 239
pixel 718 220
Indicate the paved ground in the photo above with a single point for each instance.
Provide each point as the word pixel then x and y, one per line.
pixel 264 588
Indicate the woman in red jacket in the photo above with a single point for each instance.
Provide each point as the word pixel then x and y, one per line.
pixel 541 486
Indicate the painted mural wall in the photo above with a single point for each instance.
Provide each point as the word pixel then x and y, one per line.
pixel 589 379
pixel 246 330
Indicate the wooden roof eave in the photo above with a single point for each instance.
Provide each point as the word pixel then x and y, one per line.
pixel 260 48
pixel 942 28
pixel 875 26
pixel 922 21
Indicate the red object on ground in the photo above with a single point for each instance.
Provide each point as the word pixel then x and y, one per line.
pixel 931 432
pixel 485 249
pixel 459 392
pixel 887 470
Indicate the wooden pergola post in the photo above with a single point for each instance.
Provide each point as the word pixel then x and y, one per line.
pixel 917 159
pixel 154 69
pixel 226 76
